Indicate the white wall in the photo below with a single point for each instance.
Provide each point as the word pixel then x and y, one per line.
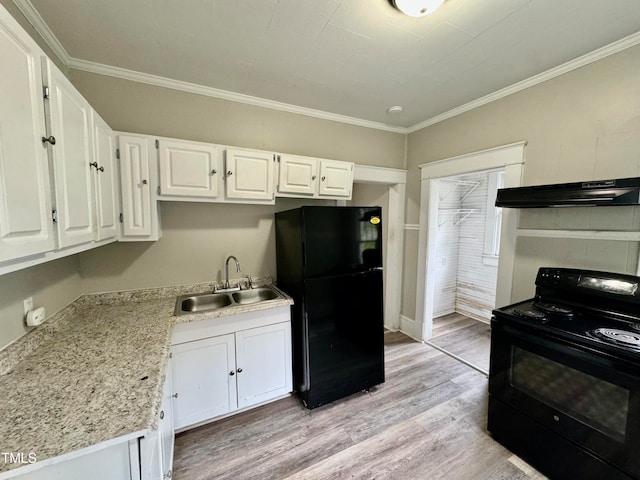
pixel 476 285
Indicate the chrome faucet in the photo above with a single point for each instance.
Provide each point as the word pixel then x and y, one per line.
pixel 226 270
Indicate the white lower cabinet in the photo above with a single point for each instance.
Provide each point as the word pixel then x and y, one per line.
pixel 203 380
pixel 115 462
pixel 216 375
pixel 156 449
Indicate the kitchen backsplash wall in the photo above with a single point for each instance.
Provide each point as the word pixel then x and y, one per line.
pixel 584 124
pixel 196 240
pixel 52 285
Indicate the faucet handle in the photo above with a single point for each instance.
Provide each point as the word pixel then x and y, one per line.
pixel 249 281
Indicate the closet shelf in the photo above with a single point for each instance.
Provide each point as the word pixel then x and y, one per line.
pixel 463 212
pixel 458 183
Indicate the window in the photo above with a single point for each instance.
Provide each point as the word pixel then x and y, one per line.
pixel 494 219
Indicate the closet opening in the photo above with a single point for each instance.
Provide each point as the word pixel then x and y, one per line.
pixel 467 247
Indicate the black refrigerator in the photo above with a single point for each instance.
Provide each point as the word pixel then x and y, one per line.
pixel 329 261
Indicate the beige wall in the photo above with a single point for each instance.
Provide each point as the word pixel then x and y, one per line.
pixel 582 125
pixel 136 107
pixel 197 237
pixel 52 285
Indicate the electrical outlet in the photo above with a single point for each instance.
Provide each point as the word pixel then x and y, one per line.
pixel 28 304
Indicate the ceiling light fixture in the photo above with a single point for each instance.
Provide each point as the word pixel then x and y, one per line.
pixel 396 109
pixel 417 8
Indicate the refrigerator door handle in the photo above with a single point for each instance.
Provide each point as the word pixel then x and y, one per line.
pixel 305 354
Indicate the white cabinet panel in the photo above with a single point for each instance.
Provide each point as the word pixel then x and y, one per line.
pixel 336 178
pixel 188 168
pixel 249 175
pixel 104 174
pixel 140 218
pixel 26 227
pixel 69 117
pixel 203 380
pixel 297 175
pixel 263 363
pixel 110 463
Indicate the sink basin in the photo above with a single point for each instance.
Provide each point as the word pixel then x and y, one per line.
pixel 206 302
pixel 254 295
pixel 209 301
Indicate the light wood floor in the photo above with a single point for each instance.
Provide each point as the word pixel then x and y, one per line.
pixel 465 337
pixel 427 421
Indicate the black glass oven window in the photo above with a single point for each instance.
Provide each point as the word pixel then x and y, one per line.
pixel 595 402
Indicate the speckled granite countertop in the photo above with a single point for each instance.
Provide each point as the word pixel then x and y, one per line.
pixel 94 374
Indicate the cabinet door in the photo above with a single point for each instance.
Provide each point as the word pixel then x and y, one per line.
pixel 139 209
pixel 263 358
pixel 69 117
pixel 336 178
pixel 249 175
pixel 204 380
pixel 26 227
pixel 298 175
pixel 189 168
pixel 165 425
pixel 104 173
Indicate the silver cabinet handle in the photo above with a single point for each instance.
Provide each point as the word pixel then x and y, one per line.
pixel 51 139
pixel 214 171
pixel 324 178
pixel 161 414
pixel 144 182
pixel 239 370
pixel 229 173
pixel 313 177
pixel 175 395
pixel 100 169
pixel 93 164
pixel 232 373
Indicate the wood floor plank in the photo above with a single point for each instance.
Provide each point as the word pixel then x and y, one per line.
pixel 427 421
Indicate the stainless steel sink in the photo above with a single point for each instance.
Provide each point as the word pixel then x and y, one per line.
pixel 209 301
pixel 206 302
pixel 254 295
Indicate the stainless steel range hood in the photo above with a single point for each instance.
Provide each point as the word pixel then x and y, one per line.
pixel 621 191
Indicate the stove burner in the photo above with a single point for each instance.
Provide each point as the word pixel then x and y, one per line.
pixel 554 309
pixel 636 326
pixel 528 312
pixel 622 338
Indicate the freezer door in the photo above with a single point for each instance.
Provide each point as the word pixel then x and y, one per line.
pixel 345 335
pixel 339 240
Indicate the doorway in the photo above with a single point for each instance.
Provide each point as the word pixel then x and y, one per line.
pixel 508 157
pixel 466 257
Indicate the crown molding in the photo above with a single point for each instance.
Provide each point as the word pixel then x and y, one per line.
pixel 615 47
pixel 158 81
pixel 34 18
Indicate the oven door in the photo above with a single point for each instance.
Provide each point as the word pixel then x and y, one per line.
pixel 589 398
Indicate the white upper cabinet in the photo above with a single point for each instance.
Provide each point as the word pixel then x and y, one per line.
pixel 336 178
pixel 69 123
pixel 138 181
pixel 26 227
pixel 191 169
pixel 104 174
pixel 298 175
pixel 314 177
pixel 249 175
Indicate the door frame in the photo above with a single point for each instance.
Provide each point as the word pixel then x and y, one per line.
pixel 396 181
pixel 511 158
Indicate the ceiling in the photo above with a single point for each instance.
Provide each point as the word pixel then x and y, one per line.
pixel 351 58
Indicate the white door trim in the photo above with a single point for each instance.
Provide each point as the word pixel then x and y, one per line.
pixel 396 181
pixel 511 158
